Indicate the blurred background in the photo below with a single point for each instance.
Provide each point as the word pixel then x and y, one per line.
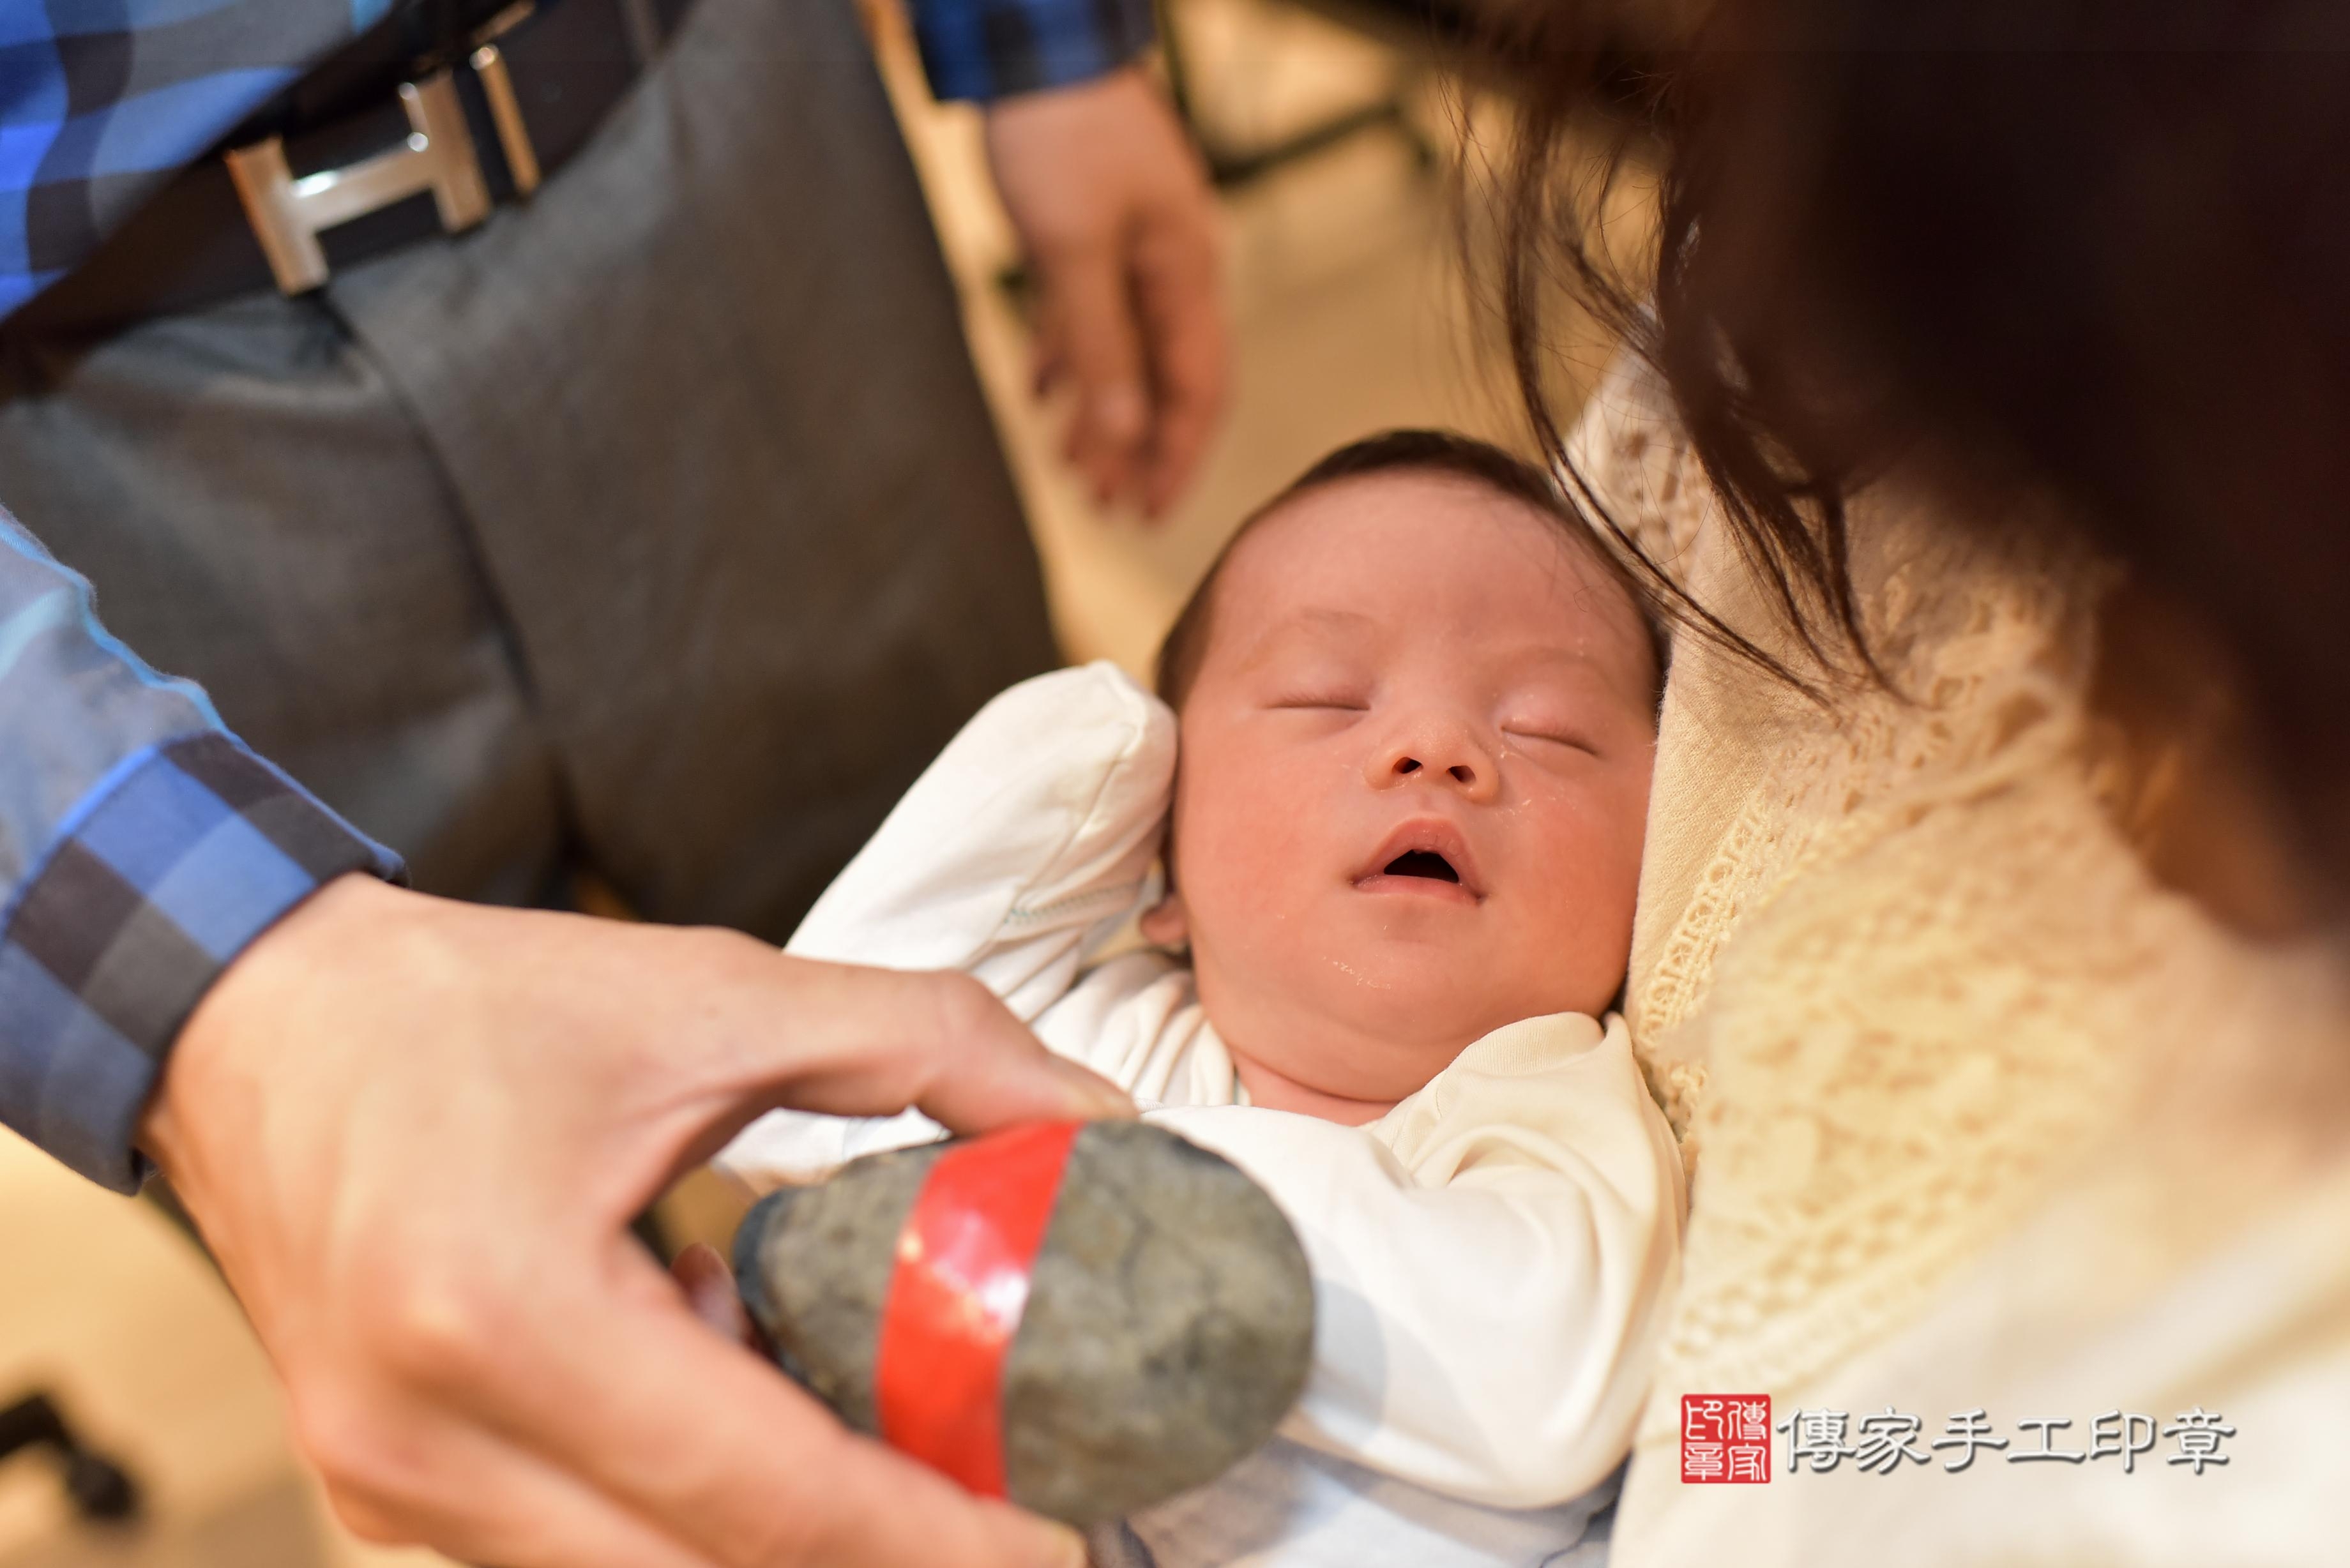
pixel 1345 140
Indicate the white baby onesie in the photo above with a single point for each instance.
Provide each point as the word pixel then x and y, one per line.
pixel 1491 1258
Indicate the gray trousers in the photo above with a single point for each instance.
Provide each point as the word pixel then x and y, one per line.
pixel 656 525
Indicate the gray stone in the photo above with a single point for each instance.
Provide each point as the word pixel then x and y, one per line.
pixel 812 1264
pixel 1168 1327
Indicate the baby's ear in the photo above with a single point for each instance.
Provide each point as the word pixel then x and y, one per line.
pixel 1165 924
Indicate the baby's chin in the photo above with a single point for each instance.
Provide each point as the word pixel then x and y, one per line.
pixel 1439 989
pixel 1360 1087
pixel 1374 1020
pixel 1409 1026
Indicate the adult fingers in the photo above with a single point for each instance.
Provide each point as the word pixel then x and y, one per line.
pixel 978 1059
pixel 1179 298
pixel 871 1042
pixel 1095 334
pixel 647 1405
pixel 710 1293
pixel 851 1040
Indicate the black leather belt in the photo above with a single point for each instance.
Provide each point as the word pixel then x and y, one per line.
pixel 376 148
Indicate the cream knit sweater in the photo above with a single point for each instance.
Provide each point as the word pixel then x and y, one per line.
pixel 1977 1115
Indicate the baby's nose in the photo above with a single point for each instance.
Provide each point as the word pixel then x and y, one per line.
pixel 1453 761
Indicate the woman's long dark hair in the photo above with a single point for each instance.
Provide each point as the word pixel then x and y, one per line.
pixel 2095 248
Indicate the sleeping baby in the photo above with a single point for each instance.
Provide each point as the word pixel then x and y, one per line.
pixel 1382 824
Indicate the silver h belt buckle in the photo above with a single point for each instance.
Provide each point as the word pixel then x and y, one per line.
pixel 288 213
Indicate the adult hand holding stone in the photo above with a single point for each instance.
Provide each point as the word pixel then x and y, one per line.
pixel 413 1132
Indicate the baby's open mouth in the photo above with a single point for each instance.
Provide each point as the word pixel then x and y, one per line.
pixel 1425 857
pixel 1422 863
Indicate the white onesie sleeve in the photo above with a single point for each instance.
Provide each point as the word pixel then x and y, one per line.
pixel 1018 853
pixel 1489 1257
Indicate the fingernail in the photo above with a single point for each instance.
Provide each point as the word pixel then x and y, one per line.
pixel 1063 1548
pixel 1094 1097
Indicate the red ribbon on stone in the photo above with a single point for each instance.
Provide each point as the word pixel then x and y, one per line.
pixel 956 1293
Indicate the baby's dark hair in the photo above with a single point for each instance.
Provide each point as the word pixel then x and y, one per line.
pixel 1404 451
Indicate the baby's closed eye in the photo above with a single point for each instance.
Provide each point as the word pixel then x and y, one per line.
pixel 1549 732
pixel 1339 702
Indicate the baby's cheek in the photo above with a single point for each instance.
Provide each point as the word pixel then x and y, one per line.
pixel 1586 879
pixel 1244 824
pixel 1600 826
pixel 1573 957
pixel 1228 866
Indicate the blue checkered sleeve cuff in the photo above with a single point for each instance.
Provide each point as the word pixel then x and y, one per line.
pixel 989 48
pixel 162 874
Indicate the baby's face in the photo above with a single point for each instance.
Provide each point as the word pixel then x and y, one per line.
pixel 1413 783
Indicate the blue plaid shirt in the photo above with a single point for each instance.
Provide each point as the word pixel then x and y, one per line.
pixel 141 845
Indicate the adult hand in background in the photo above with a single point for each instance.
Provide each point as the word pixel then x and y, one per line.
pixel 414 1132
pixel 1120 230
